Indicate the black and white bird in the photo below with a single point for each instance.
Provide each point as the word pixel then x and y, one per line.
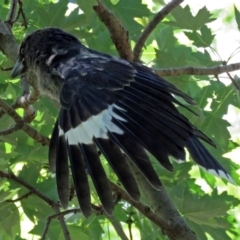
pixel 112 105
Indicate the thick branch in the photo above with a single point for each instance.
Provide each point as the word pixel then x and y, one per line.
pixel 174 225
pixel 8 44
pixel 163 212
pixel 151 25
pixel 118 33
pixel 145 210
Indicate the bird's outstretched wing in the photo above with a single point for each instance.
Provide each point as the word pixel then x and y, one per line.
pixel 111 105
pixel 119 108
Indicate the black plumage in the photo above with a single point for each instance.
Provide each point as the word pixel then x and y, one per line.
pixel 112 105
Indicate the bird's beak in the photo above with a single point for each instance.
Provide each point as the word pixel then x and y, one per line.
pixel 18 69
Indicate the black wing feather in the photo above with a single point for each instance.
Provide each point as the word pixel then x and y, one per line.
pixel 52 154
pixel 118 106
pixel 150 80
pixel 98 176
pixel 119 164
pixel 80 179
pixel 139 157
pixel 135 130
pixel 62 172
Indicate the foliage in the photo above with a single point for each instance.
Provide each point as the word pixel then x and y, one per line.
pixel 210 213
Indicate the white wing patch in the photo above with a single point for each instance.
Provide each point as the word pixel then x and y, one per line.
pixel 96 126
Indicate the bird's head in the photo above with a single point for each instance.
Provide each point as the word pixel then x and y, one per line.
pixel 39 48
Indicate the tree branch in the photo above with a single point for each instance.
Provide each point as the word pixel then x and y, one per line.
pixel 174 225
pixel 62 224
pixel 145 210
pixel 197 70
pixel 118 33
pixel 29 187
pixel 58 215
pixel 11 130
pixel 8 44
pixel 12 12
pixel 118 227
pixel 55 205
pixel 163 212
pixel 30 131
pixel 151 25
pixel 26 195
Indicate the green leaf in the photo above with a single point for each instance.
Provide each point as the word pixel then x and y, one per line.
pixel 165 38
pixel 9 219
pixel 126 12
pixel 49 188
pixel 204 210
pixel 8 195
pixel 30 173
pixel 148 231
pixel 88 17
pixel 175 57
pixel 217 128
pixel 77 233
pixel 237 17
pixel 185 20
pixel 203 16
pixel 202 230
pixel 203 59
pixel 93 228
pixel 3 87
pixel 120 214
pixel 201 40
pixel 210 216
pixel 36 208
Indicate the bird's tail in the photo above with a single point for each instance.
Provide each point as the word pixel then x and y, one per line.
pixel 205 160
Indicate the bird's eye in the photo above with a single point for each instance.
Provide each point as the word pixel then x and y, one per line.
pixel 22 51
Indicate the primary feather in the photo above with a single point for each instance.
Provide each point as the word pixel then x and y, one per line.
pixel 112 105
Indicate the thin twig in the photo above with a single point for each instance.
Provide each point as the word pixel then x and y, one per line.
pixel 21 12
pixel 30 131
pixel 6 69
pixel 235 81
pixel 130 227
pixel 25 101
pixel 118 227
pixel 12 13
pixel 58 216
pixel 24 196
pixel 11 130
pixel 62 224
pixel 29 187
pixel 118 33
pixel 151 25
pixel 53 204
